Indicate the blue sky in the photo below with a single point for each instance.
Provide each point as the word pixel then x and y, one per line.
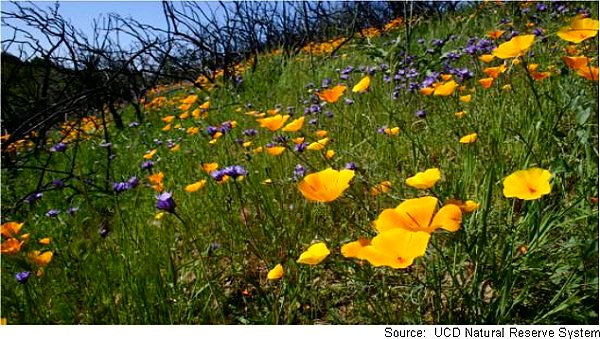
pixel 82 13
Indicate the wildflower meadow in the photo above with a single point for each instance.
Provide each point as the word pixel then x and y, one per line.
pixel 434 170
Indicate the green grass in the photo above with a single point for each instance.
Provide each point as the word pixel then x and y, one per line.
pixel 164 271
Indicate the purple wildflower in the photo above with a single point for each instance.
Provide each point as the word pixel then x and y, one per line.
pixel 52 213
pixel 299 172
pixel 350 165
pixel 60 147
pixel 22 277
pixel 147 165
pixel 250 132
pixel 165 202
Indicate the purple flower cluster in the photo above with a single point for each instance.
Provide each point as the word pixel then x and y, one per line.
pixel 250 132
pixel 476 46
pixel 224 128
pixel 299 172
pixel 123 186
pixel 345 73
pixel 233 172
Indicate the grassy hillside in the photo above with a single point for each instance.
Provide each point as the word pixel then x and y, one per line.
pixel 473 99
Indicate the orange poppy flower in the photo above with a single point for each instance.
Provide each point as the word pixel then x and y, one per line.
pixel 486 82
pixel 273 123
pixel 446 88
pixel 419 215
pixel 580 29
pixel 515 47
pixel 590 73
pixel 326 185
pixel 332 95
pixel 576 63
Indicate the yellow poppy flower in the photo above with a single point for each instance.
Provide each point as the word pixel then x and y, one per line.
pixel 469 138
pixel 332 95
pixel 190 99
pixel 460 114
pixel 321 133
pixel 193 130
pixel 40 259
pixel 294 126
pixel 273 123
pixel 167 128
pixel 351 249
pixel 326 185
pixel 314 254
pixel 424 180
pixel 168 119
pixel 276 273
pixel 184 107
pixel 205 106
pixel 427 90
pixel 580 29
pixel 445 89
pixel 329 154
pixel 530 184
pixel 418 215
pixel 45 241
pixel 486 58
pixel 175 148
pixel 150 154
pixel 210 166
pixel 465 98
pixel 318 145
pixel 10 229
pixel 362 85
pixel 195 186
pixel 396 248
pixel 515 47
pixel 392 131
pixel 275 150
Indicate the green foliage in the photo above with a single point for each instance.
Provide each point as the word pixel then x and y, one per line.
pixel 512 261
